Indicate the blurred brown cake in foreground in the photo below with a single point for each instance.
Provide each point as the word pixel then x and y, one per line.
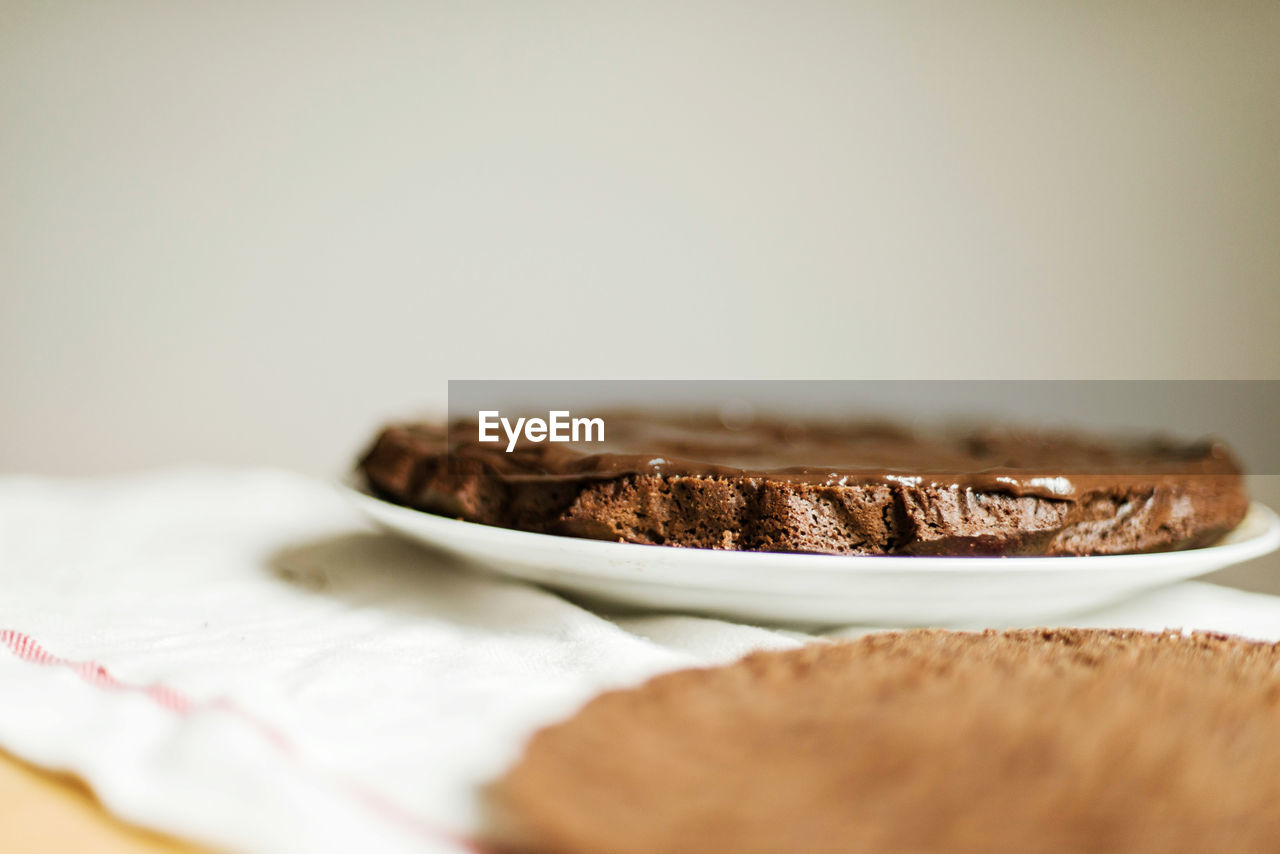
pixel 856 488
pixel 922 741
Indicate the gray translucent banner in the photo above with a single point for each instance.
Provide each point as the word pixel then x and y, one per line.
pixel 1243 414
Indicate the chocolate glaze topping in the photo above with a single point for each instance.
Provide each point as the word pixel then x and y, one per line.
pixel 1061 466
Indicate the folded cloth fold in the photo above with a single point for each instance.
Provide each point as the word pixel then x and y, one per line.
pixel 237 658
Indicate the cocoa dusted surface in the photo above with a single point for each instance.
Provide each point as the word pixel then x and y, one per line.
pixel 857 488
pixel 1063 740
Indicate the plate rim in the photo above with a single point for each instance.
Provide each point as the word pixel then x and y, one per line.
pixel 1266 540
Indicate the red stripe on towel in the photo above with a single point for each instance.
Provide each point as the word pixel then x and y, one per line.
pixel 27 649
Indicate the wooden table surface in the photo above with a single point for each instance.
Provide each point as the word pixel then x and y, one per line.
pixel 47 813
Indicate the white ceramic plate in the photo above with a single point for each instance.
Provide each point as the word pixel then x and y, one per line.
pixel 820 589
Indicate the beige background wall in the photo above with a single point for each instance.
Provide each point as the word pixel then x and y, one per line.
pixel 245 232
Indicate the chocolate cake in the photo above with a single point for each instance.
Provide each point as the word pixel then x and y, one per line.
pixel 857 488
pixel 925 741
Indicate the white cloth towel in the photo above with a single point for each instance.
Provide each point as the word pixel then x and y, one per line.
pixel 239 659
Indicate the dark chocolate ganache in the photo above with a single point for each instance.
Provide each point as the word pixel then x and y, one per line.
pixel 1047 464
